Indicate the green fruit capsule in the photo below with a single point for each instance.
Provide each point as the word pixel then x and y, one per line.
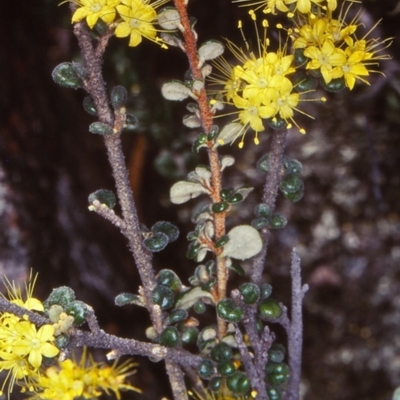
pixel 205 369
pixel 250 292
pixel 78 310
pixel 215 384
pixel 163 296
pixel 238 383
pixel 61 296
pixel 299 57
pixel 170 337
pixel 228 311
pixel 221 352
pixel 303 82
pixel 269 309
pixel 226 368
pixel 219 207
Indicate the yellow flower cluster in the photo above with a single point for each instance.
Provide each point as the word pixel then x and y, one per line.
pixel 23 346
pixel 333 48
pixel 85 380
pixel 136 18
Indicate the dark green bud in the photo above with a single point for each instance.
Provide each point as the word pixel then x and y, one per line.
pixel 177 315
pixel 104 196
pixel 215 384
pixel 61 296
pixel 277 221
pixel 222 241
pixel 202 138
pixel 130 122
pixel 221 352
pixel 166 227
pixel 199 307
pixel 269 309
pixel 100 128
pixel 299 57
pixel 229 311
pixel 208 285
pixel 238 383
pixel 219 207
pixel 303 82
pixel 266 290
pixel 335 85
pixel 163 296
pixel 170 337
pixel 276 123
pixel 78 310
pixel 205 369
pixel 101 27
pixel 88 105
pixel 119 95
pixel 226 368
pixel 250 292
pixel 66 75
pixel 157 242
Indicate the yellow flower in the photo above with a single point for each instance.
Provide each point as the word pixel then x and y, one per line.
pixel 34 343
pixel 138 17
pixel 93 10
pixel 86 379
pixel 325 59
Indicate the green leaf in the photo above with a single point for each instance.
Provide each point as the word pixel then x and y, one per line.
pixel 157 242
pixel 167 228
pixel 229 311
pixel 129 298
pixel 191 296
pixel 244 242
pixel 104 196
pixel 183 191
pixel 100 128
pixel 65 75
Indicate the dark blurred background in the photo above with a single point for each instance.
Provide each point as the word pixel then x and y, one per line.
pixel 346 228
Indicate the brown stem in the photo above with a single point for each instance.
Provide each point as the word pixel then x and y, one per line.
pixel 206 117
